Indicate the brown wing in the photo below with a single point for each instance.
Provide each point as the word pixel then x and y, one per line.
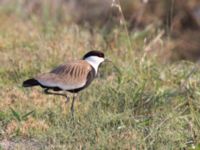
pixel 69 76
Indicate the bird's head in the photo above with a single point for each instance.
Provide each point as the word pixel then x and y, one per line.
pixel 95 58
pixel 95 55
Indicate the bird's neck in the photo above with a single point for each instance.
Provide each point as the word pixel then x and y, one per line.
pixel 94 61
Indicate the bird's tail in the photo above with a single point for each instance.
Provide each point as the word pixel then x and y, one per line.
pixel 30 83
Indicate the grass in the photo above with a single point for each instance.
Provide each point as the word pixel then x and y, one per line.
pixel 141 104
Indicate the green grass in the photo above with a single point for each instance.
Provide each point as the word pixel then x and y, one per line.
pixel 141 104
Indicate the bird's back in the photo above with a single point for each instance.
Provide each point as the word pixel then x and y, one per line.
pixel 70 76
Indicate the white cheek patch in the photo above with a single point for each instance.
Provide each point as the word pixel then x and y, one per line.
pixel 94 61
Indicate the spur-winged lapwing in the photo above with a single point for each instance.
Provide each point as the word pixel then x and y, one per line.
pixel 72 77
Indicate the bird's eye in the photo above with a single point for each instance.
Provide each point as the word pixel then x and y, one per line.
pixel 101 55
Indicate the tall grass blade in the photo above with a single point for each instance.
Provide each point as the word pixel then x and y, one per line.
pixel 16 114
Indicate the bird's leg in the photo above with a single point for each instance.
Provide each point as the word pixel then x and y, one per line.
pixel 67 98
pixel 46 91
pixel 72 105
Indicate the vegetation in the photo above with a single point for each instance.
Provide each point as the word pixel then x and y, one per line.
pixel 135 103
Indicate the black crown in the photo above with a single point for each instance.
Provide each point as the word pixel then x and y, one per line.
pixel 94 53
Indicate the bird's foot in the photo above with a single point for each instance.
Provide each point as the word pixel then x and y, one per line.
pixel 67 100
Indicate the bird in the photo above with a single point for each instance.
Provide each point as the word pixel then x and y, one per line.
pixel 73 76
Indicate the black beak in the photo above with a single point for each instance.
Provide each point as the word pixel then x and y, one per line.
pixel 107 60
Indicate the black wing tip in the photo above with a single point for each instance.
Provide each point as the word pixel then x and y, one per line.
pixel 30 83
